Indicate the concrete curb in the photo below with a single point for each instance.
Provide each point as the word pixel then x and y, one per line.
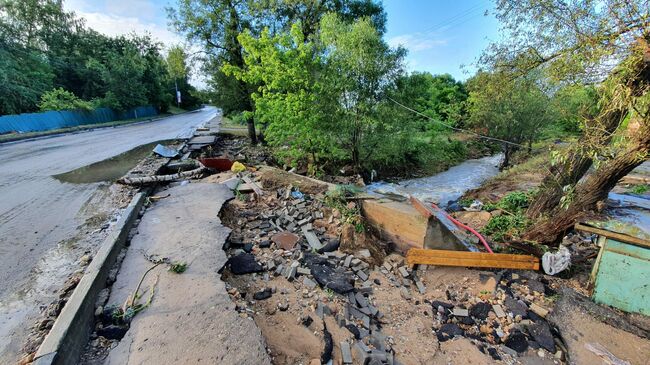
pixel 74 324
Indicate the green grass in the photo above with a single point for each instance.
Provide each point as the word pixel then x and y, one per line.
pixel 228 126
pixel 9 137
pixel 640 189
pixel 175 110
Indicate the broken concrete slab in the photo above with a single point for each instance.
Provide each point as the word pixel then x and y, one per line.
pixel 163 230
pixel 580 322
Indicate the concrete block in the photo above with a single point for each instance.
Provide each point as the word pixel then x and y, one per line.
pixel 346 352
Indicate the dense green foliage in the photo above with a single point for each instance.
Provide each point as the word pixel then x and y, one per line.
pixel 437 96
pixel 318 80
pixel 44 48
pixel 508 108
pixel 323 101
pixel 59 99
pixel 216 24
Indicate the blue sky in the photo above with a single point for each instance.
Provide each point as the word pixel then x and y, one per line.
pixel 440 35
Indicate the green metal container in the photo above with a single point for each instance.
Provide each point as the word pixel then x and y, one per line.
pixel 621 274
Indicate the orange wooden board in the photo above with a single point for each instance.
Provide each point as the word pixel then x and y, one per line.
pixel 471 259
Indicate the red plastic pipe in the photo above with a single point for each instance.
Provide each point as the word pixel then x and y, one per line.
pixel 474 232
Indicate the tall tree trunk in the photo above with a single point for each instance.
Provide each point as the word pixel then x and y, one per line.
pixel 594 188
pixel 577 163
pixel 250 122
pixel 508 150
pixel 631 80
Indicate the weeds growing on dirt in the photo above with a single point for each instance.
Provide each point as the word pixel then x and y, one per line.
pixel 512 222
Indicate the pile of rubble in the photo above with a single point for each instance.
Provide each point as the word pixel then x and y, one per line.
pixel 290 240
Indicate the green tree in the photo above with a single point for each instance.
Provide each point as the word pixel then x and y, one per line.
pixel 448 98
pixel 585 41
pixel 216 24
pixel 513 110
pixel 361 68
pixel 323 100
pixel 24 76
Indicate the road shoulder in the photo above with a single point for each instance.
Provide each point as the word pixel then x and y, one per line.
pixel 191 318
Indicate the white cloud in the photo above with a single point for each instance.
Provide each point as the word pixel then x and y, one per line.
pixel 415 42
pixel 113 25
pixel 134 8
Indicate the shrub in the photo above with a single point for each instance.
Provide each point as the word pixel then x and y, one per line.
pixel 60 99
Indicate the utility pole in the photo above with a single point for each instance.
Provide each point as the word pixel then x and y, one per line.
pixel 178 93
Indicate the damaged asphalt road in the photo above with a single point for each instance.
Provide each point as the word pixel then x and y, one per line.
pixel 191 318
pixel 40 216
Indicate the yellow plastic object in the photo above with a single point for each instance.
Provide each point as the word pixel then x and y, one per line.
pixel 237 167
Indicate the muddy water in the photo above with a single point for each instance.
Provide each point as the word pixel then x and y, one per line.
pixel 445 186
pixel 633 210
pixel 110 169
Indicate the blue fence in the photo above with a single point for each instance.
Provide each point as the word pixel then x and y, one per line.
pixel 33 122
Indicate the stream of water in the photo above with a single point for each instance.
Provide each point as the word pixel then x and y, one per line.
pixel 446 186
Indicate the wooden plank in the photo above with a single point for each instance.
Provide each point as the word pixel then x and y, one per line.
pixel 252 185
pixel 471 259
pixel 617 236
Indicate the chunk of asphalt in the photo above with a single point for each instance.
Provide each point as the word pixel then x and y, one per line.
pixel 244 263
pixel 517 341
pixel 436 303
pixel 263 294
pixel 329 346
pixel 480 310
pixel 307 321
pixel 112 332
pixel 448 331
pixel 541 332
pixel 516 307
pixel 353 330
pixel 330 246
pixel 328 278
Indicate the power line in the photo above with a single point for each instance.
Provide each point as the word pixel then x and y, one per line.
pixel 455 128
pixel 459 16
